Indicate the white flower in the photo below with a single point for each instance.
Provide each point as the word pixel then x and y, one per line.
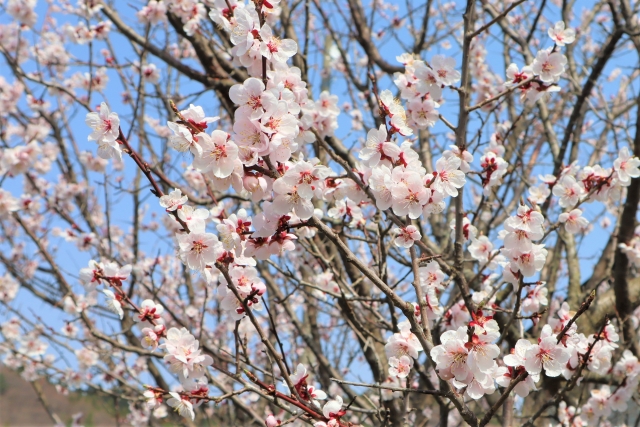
pixel 626 166
pixel 431 275
pixel 517 356
pixel 561 36
pixel 8 288
pixel 105 125
pixel 534 299
pixel 549 66
pixel 112 303
pixel 248 97
pixel 182 138
pixel 195 218
pixel 195 115
pixel 184 355
pixel 333 408
pixel 444 68
pixel 573 221
pixel 481 352
pixel 405 237
pixel 547 354
pixel 529 260
pixel 480 249
pixel 448 178
pixel 410 195
pixel 86 358
pixel 181 405
pixel 568 190
pixel 290 197
pixel 275 49
pixel 218 154
pixel 403 343
pixel 516 76
pixel 149 310
pixel 400 367
pixel 378 148
pixel 197 250
pixel 451 356
pixel 173 200
pixel 106 129
pixel 149 338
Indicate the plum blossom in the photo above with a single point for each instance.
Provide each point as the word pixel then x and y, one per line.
pixel 272 421
pixel 481 352
pixel 150 312
pixel 333 408
pixel 560 35
pixel 568 191
pixel 406 236
pixel 379 149
pixel 275 49
pixel 196 250
pixel 423 113
pixel 8 288
pixel 194 218
pixel 183 354
pixel 547 355
pixel 113 303
pixel 106 129
pixel 248 96
pixel 86 357
pixel 452 354
pixel 535 298
pixel 504 376
pixel 150 337
pixel 493 169
pixel 403 343
pixel 153 13
pixel 400 367
pixel 307 392
pixel 249 287
pixel 174 200
pixel 409 197
pixel 465 157
pixel 549 65
pixel 626 166
pixel 218 154
pixel 8 203
pixel 447 177
pixel 529 261
pixel 431 275
pixel 181 405
pixel 573 221
pixel 480 249
pixel 444 68
pixel 515 76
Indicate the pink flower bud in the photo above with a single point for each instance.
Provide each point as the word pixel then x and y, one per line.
pixel 271 421
pixel 251 183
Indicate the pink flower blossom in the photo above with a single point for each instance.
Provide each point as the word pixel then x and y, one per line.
pixel 560 36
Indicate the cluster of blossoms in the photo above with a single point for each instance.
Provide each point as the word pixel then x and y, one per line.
pixel 185 358
pixel 401 348
pixel 603 401
pixel 421 86
pixel 274 117
pixel 468 355
pixel 106 131
pixel 332 410
pixel 399 181
pixel 524 257
pixel 543 74
pixel 261 160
